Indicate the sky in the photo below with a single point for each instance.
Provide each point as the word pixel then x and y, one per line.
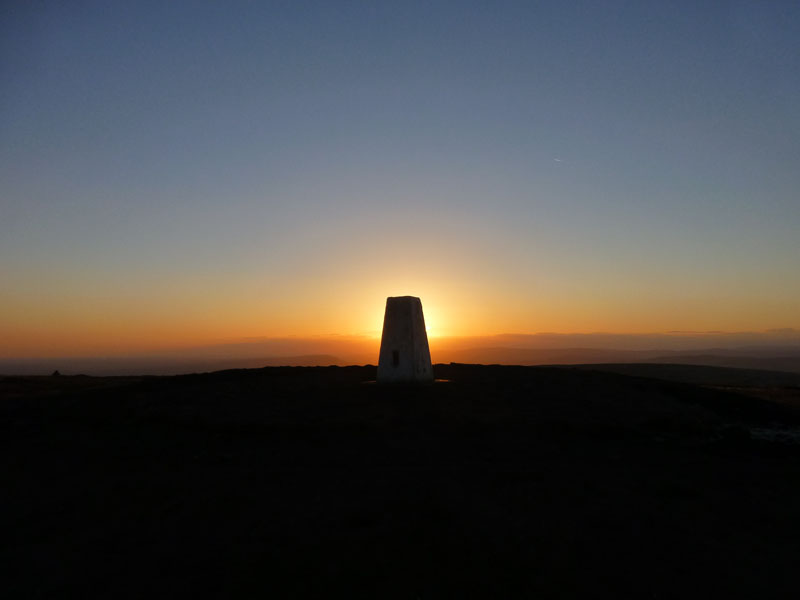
pixel 193 173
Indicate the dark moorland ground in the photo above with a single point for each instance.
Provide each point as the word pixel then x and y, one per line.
pixel 502 482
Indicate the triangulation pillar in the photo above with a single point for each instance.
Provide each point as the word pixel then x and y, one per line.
pixel 404 356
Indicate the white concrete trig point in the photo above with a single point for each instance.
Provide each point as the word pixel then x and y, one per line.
pixel 404 356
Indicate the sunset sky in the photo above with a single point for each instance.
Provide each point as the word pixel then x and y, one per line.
pixel 186 173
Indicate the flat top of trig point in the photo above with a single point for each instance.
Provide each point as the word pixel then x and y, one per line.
pixel 402 298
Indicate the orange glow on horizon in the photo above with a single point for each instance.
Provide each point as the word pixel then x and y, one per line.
pixel 194 313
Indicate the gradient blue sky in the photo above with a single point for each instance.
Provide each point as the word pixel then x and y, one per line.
pixel 192 172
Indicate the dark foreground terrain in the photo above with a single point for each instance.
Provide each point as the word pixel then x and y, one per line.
pixel 296 482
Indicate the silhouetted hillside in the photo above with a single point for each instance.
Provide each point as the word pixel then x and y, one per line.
pixel 740 360
pixel 782 359
pixel 701 374
pixel 501 482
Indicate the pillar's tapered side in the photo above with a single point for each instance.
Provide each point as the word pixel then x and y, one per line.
pixel 404 356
